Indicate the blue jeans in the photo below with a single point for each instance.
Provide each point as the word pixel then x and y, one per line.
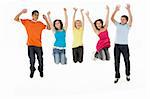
pixel 59 56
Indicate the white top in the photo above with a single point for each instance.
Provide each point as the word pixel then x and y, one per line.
pixel 122 33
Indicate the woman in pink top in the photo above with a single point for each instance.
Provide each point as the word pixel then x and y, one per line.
pixel 104 42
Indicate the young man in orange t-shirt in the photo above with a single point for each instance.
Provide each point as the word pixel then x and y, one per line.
pixel 34 30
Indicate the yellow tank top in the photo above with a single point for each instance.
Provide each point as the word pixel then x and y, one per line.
pixel 77 37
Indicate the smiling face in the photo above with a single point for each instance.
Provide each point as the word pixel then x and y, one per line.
pixel 78 24
pixel 124 19
pixel 99 25
pixel 58 24
pixel 35 15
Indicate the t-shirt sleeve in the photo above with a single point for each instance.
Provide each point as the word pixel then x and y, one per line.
pixel 116 23
pixel 43 26
pixel 24 21
pixel 128 26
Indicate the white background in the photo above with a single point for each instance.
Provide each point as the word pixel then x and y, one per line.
pixel 89 80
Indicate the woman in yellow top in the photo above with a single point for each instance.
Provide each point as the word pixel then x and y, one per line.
pixel 78 27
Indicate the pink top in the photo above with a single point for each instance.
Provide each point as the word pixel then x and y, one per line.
pixel 104 41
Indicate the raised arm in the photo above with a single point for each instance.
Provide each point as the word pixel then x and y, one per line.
pixel 82 18
pixel 114 13
pixel 74 15
pixel 48 24
pixel 66 19
pixel 130 15
pixel 92 24
pixel 107 18
pixel 17 18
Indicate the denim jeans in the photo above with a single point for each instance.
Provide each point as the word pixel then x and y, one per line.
pixel 59 56
pixel 32 51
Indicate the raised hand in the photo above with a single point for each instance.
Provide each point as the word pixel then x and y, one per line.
pixel 130 15
pixel 87 13
pixel 24 11
pixel 65 9
pixel 75 9
pixel 107 7
pixel 117 7
pixel 48 13
pixel 82 10
pixel 66 19
pixel 128 6
pixel 44 17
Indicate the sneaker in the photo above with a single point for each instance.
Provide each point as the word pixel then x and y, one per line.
pixel 32 74
pixel 116 80
pixel 128 78
pixel 41 73
pixel 93 56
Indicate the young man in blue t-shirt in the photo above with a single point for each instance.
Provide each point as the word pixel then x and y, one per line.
pixel 121 42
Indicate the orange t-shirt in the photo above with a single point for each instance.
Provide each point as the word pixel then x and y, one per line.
pixel 34 32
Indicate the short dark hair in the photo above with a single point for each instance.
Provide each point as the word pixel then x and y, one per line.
pixel 96 22
pixel 61 24
pixel 125 16
pixel 35 11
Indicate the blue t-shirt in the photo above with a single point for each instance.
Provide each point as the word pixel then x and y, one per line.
pixel 60 37
pixel 122 33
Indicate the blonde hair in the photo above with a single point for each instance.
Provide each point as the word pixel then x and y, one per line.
pixel 76 22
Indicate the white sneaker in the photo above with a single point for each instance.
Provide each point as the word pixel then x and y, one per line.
pixel 128 78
